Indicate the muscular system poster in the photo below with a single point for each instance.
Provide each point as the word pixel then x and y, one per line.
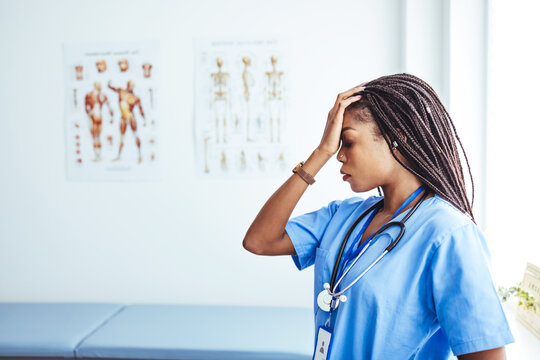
pixel 241 92
pixel 111 117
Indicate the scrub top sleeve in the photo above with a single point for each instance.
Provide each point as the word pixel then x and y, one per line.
pixel 306 232
pixel 464 297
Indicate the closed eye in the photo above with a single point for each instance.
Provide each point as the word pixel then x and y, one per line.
pixel 347 144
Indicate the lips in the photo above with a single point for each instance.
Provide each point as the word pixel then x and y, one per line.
pixel 345 175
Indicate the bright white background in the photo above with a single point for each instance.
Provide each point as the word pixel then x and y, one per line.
pixel 512 167
pixel 179 240
pixel 513 138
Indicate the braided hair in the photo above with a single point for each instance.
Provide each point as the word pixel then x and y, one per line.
pixel 404 105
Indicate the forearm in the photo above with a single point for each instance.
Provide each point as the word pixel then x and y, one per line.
pixel 269 225
pixel 492 354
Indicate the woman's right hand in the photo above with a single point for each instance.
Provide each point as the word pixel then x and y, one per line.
pixel 332 132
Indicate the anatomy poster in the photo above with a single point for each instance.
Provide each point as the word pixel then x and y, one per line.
pixel 111 117
pixel 241 92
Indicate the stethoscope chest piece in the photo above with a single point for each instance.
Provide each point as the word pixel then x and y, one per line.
pixel 326 301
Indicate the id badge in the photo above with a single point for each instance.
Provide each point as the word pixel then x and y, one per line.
pixel 322 347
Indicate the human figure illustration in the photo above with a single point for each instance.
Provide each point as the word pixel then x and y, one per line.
pixel 101 65
pixel 123 64
pixel 79 72
pixel 93 104
pixel 147 68
pixel 127 101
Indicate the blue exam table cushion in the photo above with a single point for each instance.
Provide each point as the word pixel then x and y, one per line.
pixel 49 329
pixel 203 332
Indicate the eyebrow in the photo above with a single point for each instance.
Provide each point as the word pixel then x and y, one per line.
pixel 345 129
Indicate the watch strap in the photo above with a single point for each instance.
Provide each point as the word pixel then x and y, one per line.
pixel 303 173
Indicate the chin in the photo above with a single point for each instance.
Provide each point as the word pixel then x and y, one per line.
pixel 356 188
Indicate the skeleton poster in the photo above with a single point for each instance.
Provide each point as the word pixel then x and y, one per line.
pixel 241 91
pixel 111 118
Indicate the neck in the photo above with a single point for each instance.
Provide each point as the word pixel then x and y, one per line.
pixel 395 194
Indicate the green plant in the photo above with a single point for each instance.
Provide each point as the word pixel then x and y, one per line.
pixel 520 293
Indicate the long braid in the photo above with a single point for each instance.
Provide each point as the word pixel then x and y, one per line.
pixel 403 105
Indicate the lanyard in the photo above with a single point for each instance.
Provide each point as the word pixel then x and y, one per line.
pixel 351 253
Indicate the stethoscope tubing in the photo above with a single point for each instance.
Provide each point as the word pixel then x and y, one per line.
pixel 337 263
pixel 401 224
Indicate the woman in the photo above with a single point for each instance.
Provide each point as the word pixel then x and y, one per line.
pixel 432 294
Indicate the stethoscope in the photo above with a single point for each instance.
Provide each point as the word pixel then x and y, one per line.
pixel 329 299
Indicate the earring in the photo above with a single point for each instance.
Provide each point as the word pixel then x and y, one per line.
pixel 394 144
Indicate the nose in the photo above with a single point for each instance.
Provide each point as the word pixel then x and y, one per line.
pixel 340 157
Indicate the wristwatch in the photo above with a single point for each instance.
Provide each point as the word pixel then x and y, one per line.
pixel 303 174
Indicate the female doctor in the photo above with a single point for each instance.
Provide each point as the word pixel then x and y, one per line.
pixel 431 295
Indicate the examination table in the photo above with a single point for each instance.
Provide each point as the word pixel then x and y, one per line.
pixel 116 331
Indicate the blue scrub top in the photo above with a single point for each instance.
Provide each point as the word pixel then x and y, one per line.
pixel 431 296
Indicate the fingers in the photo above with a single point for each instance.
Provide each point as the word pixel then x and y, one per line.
pixel 341 105
pixel 332 132
pixel 348 101
pixel 350 92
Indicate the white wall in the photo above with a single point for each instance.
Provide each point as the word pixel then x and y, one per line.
pixel 513 130
pixel 467 78
pixel 426 43
pixel 178 240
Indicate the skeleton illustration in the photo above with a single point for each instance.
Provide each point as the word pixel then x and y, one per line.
pixel 274 99
pixel 223 161
pixel 249 82
pixel 206 169
pixel 220 100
